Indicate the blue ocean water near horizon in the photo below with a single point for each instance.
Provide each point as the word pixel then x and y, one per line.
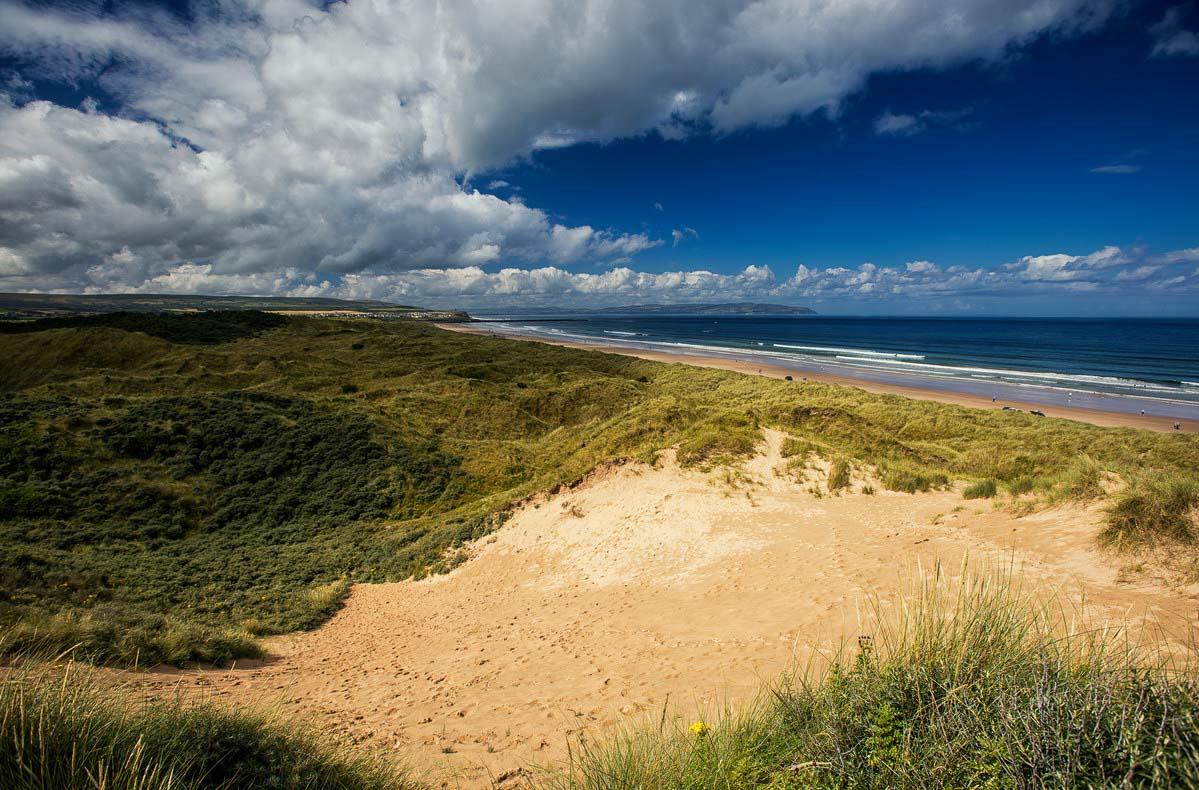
pixel 1124 365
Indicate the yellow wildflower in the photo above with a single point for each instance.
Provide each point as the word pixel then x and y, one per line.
pixel 699 728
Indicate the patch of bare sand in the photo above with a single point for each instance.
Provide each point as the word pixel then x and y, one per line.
pixel 642 585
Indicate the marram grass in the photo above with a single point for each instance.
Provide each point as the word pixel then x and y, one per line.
pixel 64 728
pixel 972 684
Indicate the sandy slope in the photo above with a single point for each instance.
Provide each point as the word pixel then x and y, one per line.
pixel 639 586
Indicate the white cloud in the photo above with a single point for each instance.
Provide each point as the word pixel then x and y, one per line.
pixel 1170 38
pixel 1117 169
pixel 499 183
pixel 658 207
pixel 331 137
pixel 1109 270
pixel 682 234
pixel 907 124
pixel 888 123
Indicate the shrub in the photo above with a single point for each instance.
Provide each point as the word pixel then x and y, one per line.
pixel 983 489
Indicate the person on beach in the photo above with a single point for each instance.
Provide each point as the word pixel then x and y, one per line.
pixel 1178 426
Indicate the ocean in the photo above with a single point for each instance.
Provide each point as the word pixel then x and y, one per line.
pixel 1124 365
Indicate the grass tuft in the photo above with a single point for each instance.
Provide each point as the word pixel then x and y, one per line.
pixel 1153 511
pixel 983 489
pixel 838 475
pixel 912 482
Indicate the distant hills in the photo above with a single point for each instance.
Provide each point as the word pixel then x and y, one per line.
pixel 725 308
pixel 27 305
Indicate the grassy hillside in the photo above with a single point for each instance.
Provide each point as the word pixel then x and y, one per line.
pixel 168 491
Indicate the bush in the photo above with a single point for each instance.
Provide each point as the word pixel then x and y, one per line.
pixel 983 489
pixel 974 686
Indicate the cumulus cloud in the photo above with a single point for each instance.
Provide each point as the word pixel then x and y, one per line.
pixel 1107 270
pixel 1170 38
pixel 268 135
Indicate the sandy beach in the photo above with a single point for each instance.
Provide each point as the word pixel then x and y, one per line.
pixel 1111 419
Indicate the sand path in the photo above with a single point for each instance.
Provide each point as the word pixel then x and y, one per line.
pixel 641 585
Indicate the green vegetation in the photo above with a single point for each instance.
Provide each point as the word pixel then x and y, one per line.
pixel 912 482
pixel 975 686
pixel 1154 510
pixel 62 728
pixel 838 475
pixel 983 489
pixel 203 328
pixel 172 487
pixel 34 305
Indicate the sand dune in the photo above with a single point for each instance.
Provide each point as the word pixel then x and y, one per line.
pixel 643 587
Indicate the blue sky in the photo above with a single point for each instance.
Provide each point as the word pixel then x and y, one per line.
pixel 1036 157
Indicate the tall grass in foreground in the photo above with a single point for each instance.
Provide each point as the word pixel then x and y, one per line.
pixel 971 685
pixel 60 727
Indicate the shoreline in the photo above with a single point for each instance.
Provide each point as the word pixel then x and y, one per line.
pixel 1107 419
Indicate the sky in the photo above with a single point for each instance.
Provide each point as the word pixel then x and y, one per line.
pixel 897 157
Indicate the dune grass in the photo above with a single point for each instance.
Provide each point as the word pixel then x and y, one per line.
pixel 971 684
pixel 203 481
pixel 983 489
pixel 1153 510
pixel 838 475
pixel 62 727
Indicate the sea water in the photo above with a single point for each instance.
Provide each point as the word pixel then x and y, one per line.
pixel 1125 365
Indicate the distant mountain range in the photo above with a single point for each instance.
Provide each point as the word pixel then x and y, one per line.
pixel 726 308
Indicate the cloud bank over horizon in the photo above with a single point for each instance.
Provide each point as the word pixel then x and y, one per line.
pixel 284 144
pixel 1108 270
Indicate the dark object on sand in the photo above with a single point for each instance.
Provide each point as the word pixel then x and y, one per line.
pixel 788 378
pixel 1037 412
